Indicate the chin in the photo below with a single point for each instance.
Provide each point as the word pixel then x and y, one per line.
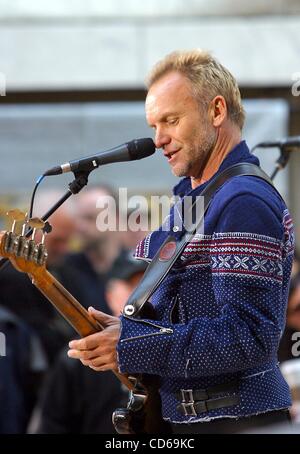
pixel 179 171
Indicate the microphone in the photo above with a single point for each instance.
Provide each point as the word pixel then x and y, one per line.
pixel 129 151
pixel 288 142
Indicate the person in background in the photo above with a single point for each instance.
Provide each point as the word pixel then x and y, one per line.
pixel 76 399
pixel 32 325
pixel 20 296
pixel 288 340
pixel 296 264
pixel 289 348
pixel 97 249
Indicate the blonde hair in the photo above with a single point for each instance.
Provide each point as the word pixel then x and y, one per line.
pixel 208 79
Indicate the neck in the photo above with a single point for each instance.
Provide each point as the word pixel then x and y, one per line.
pixel 224 144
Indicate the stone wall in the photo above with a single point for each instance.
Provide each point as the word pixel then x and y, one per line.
pixel 86 44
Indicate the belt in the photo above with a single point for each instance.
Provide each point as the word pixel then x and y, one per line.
pixel 193 402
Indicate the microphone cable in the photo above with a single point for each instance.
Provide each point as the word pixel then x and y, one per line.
pixel 38 181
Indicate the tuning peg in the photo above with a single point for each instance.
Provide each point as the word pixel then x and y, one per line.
pixel 36 223
pixel 16 215
pixel 42 252
pixel 39 254
pixel 47 228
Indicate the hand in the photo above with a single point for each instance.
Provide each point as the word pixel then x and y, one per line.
pixel 98 351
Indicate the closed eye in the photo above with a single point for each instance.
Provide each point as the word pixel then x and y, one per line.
pixel 172 121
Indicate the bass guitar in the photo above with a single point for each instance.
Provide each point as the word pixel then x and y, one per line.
pixel 143 412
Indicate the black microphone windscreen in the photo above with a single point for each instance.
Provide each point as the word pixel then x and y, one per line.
pixel 141 148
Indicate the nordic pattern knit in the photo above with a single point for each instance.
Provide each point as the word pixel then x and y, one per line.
pixel 224 301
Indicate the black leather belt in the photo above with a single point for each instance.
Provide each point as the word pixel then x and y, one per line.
pixel 193 402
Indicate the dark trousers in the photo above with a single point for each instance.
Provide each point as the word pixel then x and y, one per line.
pixel 232 425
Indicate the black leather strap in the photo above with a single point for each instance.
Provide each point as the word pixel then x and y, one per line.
pixel 186 395
pixel 158 268
pixel 203 406
pixel 193 402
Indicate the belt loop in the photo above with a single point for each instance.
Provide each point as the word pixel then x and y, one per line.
pixel 187 395
pixel 188 402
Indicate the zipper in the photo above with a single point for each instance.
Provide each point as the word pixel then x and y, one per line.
pixel 173 304
pixel 161 331
pixel 146 322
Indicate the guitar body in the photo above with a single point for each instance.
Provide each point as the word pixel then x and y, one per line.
pixel 143 414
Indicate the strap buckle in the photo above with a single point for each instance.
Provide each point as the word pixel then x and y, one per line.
pixel 187 395
pixel 188 402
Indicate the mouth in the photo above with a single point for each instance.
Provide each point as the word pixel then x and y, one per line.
pixel 170 155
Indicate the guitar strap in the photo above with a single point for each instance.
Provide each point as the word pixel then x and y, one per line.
pixel 172 248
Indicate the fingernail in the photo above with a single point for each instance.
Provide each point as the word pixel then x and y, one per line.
pixel 71 344
pixel 91 308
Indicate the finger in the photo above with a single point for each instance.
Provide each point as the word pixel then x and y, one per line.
pixel 86 343
pixel 76 354
pixel 102 361
pixel 83 354
pixel 111 366
pixel 101 316
pixel 97 369
pixel 85 363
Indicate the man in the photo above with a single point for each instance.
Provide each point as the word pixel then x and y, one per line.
pixel 100 247
pixel 224 302
pixel 97 249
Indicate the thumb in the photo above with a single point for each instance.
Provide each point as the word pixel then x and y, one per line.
pixel 100 316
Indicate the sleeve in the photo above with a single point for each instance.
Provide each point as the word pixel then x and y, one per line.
pixel 246 269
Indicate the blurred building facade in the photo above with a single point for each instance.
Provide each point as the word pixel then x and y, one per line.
pixel 74 71
pixel 112 43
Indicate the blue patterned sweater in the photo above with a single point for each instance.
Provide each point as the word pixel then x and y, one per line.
pixel 223 302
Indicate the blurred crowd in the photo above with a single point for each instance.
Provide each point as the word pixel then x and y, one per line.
pixel 289 348
pixel 41 389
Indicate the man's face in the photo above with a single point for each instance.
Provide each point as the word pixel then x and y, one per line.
pixel 58 241
pixel 87 213
pixel 181 129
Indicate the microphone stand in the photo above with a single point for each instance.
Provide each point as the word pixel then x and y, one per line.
pixel 281 161
pixel 81 180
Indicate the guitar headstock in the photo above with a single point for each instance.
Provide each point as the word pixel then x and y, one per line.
pixel 26 254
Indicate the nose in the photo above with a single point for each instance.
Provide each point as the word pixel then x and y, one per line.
pixel 161 138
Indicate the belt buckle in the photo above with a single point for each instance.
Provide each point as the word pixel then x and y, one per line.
pixel 188 402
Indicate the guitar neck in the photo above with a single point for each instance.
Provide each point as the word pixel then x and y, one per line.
pixel 71 310
pixel 66 304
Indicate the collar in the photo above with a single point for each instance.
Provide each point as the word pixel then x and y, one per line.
pixel 240 153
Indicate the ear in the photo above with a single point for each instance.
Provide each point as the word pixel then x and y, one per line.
pixel 218 110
